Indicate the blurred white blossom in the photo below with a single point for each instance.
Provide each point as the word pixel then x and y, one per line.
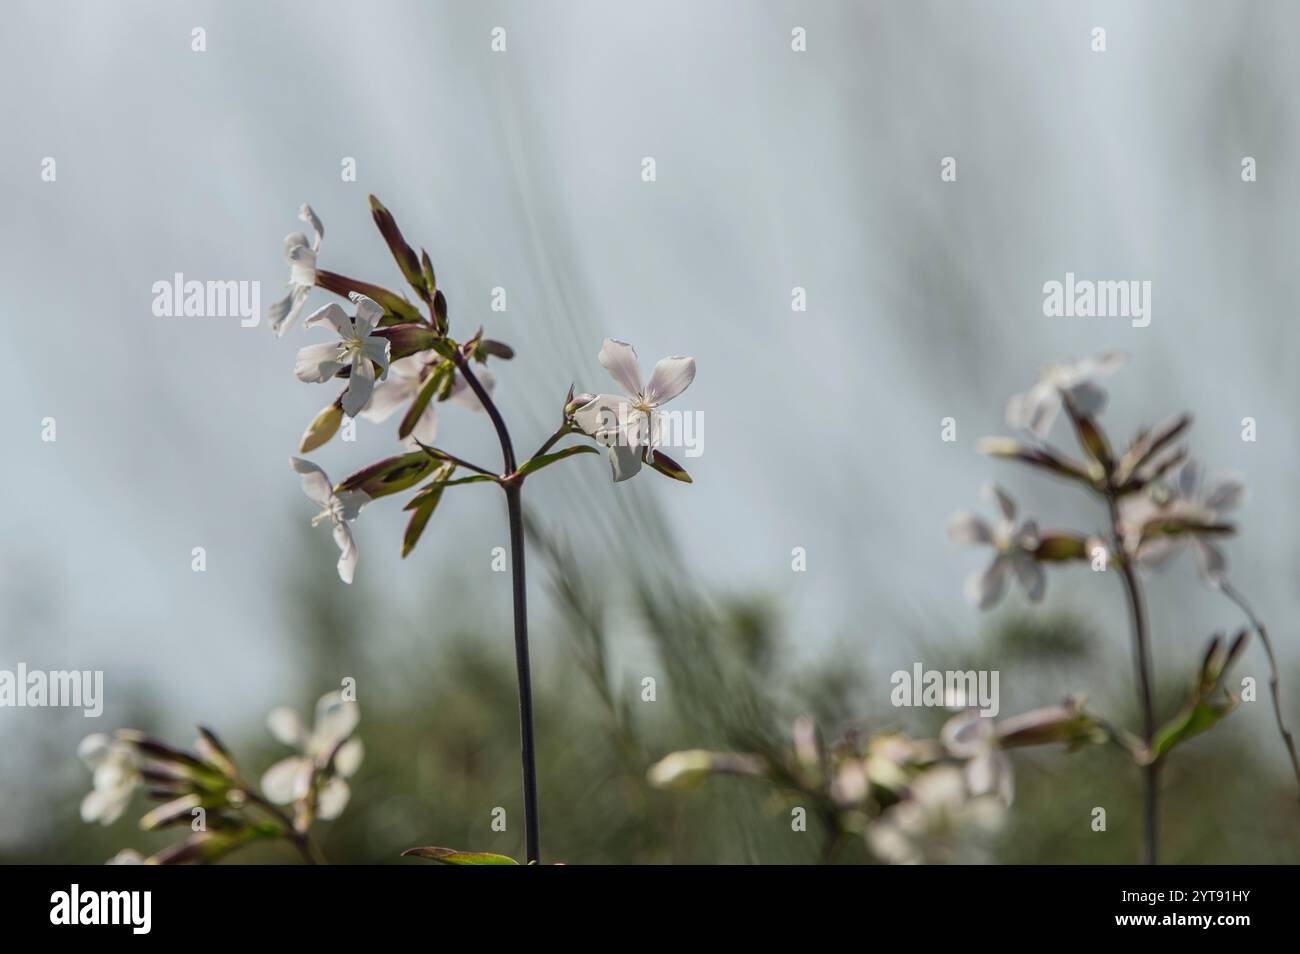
pixel 302 272
pixel 1036 409
pixel 1014 545
pixel 115 765
pixel 327 747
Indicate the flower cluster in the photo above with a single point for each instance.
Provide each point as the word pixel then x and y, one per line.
pixel 909 801
pixel 202 787
pixel 390 355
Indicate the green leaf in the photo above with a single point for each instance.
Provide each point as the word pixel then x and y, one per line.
pixel 423 396
pixel 669 467
pixel 391 475
pixel 425 504
pixel 396 308
pixel 495 349
pixel 476 479
pixel 1192 721
pixel 537 463
pixel 402 252
pixel 450 856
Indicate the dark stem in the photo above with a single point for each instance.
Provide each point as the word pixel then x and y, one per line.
pixel 1274 683
pixel 514 504
pixel 301 840
pixel 1142 663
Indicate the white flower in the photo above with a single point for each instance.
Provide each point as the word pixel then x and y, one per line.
pixel 973 737
pixel 939 817
pixel 403 382
pixel 328 746
pixel 302 272
pixel 1036 409
pixel 629 421
pixel 1015 546
pixel 339 509
pixel 1189 504
pixel 356 349
pixel 127 856
pixel 116 768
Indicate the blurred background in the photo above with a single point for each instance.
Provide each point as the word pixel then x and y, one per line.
pixel 522 169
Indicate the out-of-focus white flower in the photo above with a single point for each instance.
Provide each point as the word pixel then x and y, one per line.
pixel 356 349
pixel 973 737
pixel 627 422
pixel 403 382
pixel 1189 505
pixel 1014 545
pixel 127 856
pixel 116 768
pixel 302 272
pixel 938 819
pixel 328 745
pixel 339 509
pixel 1036 409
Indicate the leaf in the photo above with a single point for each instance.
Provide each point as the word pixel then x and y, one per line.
pixel 669 467
pixel 495 349
pixel 537 463
pixel 402 252
pixel 476 479
pixel 419 519
pixel 391 475
pixel 422 398
pixel 397 309
pixel 450 856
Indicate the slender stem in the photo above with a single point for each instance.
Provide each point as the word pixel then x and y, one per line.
pixel 1274 683
pixel 514 504
pixel 440 454
pixel 1142 664
pixel 303 841
pixel 565 428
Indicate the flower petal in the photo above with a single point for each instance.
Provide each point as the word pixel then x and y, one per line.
pixel 1003 499
pixel 985 589
pixel 1030 574
pixel 624 461
pixel 619 359
pixel 315 484
pixel 347 565
pixel 388 396
pixel 360 383
pixel 307 215
pixel 332 799
pixel 368 314
pixel 464 395
pixel 967 528
pixel 670 378
pixel 332 315
pixel 349 757
pixel 278 782
pixel 604 418
pixel 286 725
pixel 317 363
pixel 1225 494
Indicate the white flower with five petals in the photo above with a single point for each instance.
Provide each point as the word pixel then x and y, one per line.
pixel 1188 503
pixel 629 423
pixel 302 272
pixel 339 509
pixel 328 747
pixel 405 378
pixel 364 354
pixel 116 768
pixel 1036 409
pixel 1014 544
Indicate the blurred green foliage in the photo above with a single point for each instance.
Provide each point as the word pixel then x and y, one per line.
pixel 440 728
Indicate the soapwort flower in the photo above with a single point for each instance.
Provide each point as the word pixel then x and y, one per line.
pixel 116 767
pixel 302 272
pixel 1015 546
pixel 1159 523
pixel 363 355
pixel 1036 410
pixel 327 755
pixel 629 424
pixel 406 376
pixel 338 508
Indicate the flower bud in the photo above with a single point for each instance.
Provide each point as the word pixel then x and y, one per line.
pixel 320 430
pixel 576 402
